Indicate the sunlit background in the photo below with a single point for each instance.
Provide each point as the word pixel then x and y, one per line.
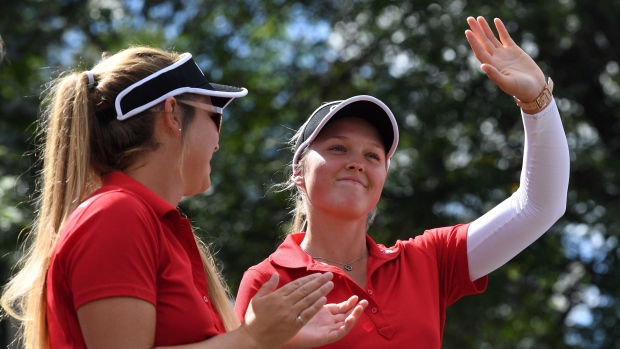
pixel 461 137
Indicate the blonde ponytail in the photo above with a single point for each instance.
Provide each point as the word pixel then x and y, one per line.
pixel 80 144
pixel 65 181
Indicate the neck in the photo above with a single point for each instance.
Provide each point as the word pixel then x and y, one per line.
pixel 167 181
pixel 334 238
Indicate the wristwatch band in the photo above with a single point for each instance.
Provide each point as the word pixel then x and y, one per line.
pixel 540 102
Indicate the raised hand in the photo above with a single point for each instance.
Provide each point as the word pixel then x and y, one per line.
pixel 331 323
pixel 504 62
pixel 271 318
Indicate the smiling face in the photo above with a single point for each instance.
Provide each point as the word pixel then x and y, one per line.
pixel 202 141
pixel 344 169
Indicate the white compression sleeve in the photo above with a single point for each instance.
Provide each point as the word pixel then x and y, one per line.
pixel 540 201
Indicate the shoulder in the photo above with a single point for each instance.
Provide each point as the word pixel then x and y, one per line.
pixel 439 235
pixel 108 218
pixel 432 241
pixel 446 233
pixel 114 201
pixel 112 207
pixel 278 262
pixel 260 272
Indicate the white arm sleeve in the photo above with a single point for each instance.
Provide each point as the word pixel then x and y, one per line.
pixel 540 201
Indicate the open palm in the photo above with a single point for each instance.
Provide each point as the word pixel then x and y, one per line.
pixel 506 64
pixel 330 324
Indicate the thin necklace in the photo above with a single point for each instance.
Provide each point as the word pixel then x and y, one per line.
pixel 347 266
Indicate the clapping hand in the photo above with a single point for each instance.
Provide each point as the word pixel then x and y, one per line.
pixel 297 314
pixel 272 316
pixel 331 323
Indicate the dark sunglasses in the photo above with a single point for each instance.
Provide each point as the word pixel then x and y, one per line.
pixel 215 113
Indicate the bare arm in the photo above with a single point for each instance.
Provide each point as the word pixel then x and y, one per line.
pixel 122 322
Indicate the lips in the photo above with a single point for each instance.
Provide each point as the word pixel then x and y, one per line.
pixel 352 179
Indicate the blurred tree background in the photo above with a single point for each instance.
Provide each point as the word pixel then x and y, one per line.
pixel 461 137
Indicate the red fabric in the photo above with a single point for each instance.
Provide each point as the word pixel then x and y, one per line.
pixel 126 241
pixel 408 289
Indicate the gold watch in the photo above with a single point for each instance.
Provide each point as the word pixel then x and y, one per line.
pixel 540 102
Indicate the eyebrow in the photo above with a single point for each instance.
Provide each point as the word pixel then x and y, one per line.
pixel 345 138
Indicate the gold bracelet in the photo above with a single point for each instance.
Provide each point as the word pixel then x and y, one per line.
pixel 540 102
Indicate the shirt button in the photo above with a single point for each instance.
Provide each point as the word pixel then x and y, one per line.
pixel 369 291
pixel 205 299
pixel 374 310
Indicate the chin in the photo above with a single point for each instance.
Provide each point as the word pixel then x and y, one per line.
pixel 205 188
pixel 201 189
pixel 207 185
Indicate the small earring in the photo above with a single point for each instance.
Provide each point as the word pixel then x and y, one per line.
pixel 179 130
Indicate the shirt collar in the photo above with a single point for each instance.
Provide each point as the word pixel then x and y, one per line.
pixel 123 181
pixel 290 254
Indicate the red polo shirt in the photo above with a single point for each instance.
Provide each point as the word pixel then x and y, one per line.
pixel 126 241
pixel 408 288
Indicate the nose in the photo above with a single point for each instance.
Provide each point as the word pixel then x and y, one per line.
pixel 355 166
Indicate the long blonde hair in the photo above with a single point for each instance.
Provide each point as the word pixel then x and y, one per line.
pixel 82 140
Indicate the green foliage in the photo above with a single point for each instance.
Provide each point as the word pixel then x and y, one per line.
pixel 461 137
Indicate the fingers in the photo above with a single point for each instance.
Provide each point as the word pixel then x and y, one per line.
pixel 503 33
pixel 351 319
pixel 308 289
pixel 484 36
pixel 351 309
pixel 358 310
pixel 501 80
pixel 478 28
pixel 306 295
pixel 505 63
pixel 479 50
pixel 269 286
pixel 347 305
pixel 306 284
pixel 272 316
pixel 309 312
pixel 492 72
pixel 488 33
pixel 310 303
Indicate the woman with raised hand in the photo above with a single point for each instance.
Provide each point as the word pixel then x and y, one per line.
pixel 113 263
pixel 340 164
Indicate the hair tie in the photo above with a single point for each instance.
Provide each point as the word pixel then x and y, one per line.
pixel 91 79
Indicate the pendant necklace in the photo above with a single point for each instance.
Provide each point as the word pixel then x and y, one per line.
pixel 347 266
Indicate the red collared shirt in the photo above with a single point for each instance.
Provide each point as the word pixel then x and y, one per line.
pixel 408 288
pixel 126 241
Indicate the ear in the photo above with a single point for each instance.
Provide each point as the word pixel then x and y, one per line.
pixel 171 117
pixel 298 177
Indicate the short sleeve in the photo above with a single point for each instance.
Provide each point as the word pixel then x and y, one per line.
pixel 448 246
pixel 111 249
pixel 251 282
